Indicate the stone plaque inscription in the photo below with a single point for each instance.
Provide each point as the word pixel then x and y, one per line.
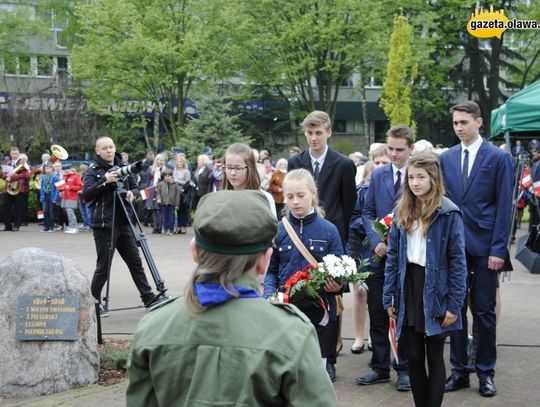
pixel 47 318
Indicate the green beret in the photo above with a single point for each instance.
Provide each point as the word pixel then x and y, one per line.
pixel 234 222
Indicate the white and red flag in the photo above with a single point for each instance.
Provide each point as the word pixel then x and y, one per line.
pixel 392 338
pixel 60 185
pixel 40 215
pixel 526 181
pixel 145 194
pixel 536 188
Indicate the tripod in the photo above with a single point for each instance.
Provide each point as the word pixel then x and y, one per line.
pixel 141 241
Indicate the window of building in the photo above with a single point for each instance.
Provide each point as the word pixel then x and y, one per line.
pixel 10 64
pixel 45 66
pixel 62 63
pixel 25 67
pixel 340 126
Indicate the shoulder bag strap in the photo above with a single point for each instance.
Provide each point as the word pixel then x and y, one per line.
pixel 298 243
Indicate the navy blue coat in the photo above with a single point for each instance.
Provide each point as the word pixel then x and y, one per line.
pixel 320 237
pixel 446 270
pixel 486 203
pixel 356 246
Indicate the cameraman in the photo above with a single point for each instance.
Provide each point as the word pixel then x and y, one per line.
pixel 100 184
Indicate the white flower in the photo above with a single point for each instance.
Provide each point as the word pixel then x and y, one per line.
pixel 349 265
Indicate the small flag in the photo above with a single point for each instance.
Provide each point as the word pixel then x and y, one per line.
pixel 536 187
pixel 392 338
pixel 40 214
pixel 60 185
pixel 526 181
pixel 145 194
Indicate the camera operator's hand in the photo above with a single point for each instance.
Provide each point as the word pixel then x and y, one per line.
pixel 129 196
pixel 111 177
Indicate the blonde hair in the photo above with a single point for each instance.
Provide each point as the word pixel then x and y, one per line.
pixel 379 151
pixel 281 161
pixel 304 176
pixel 317 118
pixel 368 169
pixel 182 159
pixel 205 159
pixel 244 151
pixel 221 268
pixel 409 207
pixel 154 164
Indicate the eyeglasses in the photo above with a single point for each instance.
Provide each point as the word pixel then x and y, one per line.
pixel 235 169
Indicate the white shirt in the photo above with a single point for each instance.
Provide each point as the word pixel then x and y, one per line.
pixel 473 150
pixel 395 171
pixel 416 245
pixel 320 160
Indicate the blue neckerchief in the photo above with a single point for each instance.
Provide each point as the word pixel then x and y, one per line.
pixel 211 294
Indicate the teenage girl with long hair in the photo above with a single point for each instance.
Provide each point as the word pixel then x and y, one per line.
pixel 318 235
pixel 241 172
pixel 425 275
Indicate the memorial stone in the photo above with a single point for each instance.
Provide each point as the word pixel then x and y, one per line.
pixel 41 291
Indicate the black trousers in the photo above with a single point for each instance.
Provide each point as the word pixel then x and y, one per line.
pixel 378 328
pixel 14 206
pixel 482 285
pixel 125 243
pixel 427 386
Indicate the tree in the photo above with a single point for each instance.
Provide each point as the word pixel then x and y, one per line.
pixel 402 70
pixel 467 67
pixel 151 52
pixel 215 128
pixel 308 48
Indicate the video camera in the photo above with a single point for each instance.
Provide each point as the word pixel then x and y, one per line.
pixel 127 169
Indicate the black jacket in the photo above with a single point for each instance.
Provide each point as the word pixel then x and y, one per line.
pixel 100 196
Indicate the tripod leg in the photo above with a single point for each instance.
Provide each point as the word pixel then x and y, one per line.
pixel 140 238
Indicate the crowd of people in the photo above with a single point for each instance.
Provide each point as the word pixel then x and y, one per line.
pixel 443 254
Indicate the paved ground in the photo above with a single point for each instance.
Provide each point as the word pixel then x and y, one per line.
pixel 518 366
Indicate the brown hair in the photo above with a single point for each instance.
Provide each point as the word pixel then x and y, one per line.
pixel 245 151
pixel 317 118
pixel 221 268
pixel 305 176
pixel 401 131
pixel 468 107
pixel 409 207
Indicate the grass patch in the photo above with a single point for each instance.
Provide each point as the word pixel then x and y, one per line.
pixel 113 356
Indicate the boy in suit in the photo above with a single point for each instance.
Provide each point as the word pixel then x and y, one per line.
pixel 381 197
pixel 334 175
pixel 478 178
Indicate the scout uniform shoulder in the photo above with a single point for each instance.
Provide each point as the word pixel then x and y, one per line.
pixel 292 310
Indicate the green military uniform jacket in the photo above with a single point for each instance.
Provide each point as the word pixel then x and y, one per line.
pixel 245 352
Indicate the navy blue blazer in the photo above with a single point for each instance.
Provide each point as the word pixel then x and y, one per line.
pixel 486 202
pixel 336 186
pixel 380 200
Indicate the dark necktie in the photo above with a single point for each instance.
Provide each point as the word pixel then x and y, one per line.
pixel 397 185
pixel 465 169
pixel 316 172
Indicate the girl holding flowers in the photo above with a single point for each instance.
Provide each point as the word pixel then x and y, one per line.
pixel 425 275
pixel 319 236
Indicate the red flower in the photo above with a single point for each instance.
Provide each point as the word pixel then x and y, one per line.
pixel 387 220
pixel 296 277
